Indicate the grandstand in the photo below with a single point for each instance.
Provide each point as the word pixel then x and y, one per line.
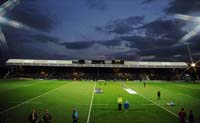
pixel 94 69
pixel 96 63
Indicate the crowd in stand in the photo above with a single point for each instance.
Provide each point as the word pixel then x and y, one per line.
pixel 89 73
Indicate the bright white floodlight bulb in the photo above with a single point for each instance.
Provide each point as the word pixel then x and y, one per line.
pixel 193 64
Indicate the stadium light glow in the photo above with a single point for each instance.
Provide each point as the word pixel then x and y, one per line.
pixel 10 4
pixel 193 65
pixel 4 21
pixel 192 33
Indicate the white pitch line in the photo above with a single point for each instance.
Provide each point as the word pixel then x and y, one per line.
pixel 18 105
pixel 29 102
pixel 160 106
pixel 91 102
pixel 130 91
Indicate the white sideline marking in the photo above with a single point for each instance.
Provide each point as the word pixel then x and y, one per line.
pixel 147 104
pixel 93 104
pixel 29 102
pixel 161 107
pixel 88 119
pixel 100 104
pixel 130 91
pixel 22 103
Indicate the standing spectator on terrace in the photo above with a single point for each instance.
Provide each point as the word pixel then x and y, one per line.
pixel 47 117
pixel 33 117
pixel 119 100
pixel 182 115
pixel 191 117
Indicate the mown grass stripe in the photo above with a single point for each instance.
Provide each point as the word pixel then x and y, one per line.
pixel 22 103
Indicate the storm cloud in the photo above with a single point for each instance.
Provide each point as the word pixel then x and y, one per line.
pixel 101 29
pixel 183 6
pixel 28 13
pixel 158 40
pixel 122 26
pixel 147 1
pixel 97 4
pixel 27 43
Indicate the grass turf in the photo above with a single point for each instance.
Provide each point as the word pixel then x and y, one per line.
pixel 19 97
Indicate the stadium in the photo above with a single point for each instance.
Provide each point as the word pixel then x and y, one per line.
pixel 140 71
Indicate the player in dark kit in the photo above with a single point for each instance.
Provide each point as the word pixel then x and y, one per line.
pixel 191 117
pixel 120 101
pixel 182 115
pixel 47 117
pixel 158 95
pixel 74 116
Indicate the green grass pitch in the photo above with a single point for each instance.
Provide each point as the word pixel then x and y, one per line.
pixel 60 97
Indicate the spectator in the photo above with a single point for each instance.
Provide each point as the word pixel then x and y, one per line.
pixel 47 117
pixel 191 117
pixel 182 115
pixel 33 117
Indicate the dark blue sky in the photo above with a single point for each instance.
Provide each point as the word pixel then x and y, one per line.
pixel 102 29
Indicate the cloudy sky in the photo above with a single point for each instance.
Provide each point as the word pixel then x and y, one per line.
pixel 141 30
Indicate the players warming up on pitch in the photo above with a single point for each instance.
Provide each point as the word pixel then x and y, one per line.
pixel 126 105
pixel 158 95
pixel 47 117
pixel 33 117
pixel 144 84
pixel 74 116
pixel 182 115
pixel 191 117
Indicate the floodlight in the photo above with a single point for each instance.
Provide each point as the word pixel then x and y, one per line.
pixel 193 65
pixel 4 8
pixel 193 32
